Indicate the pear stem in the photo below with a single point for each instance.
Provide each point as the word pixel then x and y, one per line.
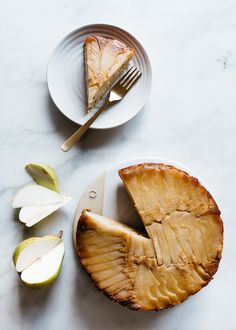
pixel 60 234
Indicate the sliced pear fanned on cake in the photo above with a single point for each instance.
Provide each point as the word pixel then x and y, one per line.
pixel 179 257
pixel 105 59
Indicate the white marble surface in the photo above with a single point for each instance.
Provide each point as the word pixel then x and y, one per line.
pixel 190 117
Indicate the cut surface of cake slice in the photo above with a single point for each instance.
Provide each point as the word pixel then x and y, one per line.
pixel 105 60
pixel 179 257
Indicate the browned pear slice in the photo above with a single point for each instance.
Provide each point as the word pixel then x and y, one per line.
pixel 179 257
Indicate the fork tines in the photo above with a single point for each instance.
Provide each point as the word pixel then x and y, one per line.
pixel 130 77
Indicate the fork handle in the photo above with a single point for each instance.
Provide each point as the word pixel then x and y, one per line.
pixel 68 144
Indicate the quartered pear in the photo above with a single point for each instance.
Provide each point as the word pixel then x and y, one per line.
pixel 44 175
pixel 36 195
pixel 37 202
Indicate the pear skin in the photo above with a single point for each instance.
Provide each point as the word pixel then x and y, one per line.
pixel 44 175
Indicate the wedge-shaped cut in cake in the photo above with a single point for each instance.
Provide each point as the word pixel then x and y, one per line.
pixel 179 257
pixel 105 60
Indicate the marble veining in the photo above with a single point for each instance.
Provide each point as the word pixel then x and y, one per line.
pixel 190 117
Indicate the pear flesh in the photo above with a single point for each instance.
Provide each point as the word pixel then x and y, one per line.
pixel 30 215
pixel 46 269
pixel 32 249
pixel 36 195
pixel 39 260
pixel 37 202
pixel 44 175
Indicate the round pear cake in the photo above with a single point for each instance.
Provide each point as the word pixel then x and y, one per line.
pixel 178 256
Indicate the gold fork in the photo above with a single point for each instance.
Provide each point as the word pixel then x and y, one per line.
pixel 116 94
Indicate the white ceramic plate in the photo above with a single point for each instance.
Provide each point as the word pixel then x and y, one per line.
pixel 66 81
pixel 106 195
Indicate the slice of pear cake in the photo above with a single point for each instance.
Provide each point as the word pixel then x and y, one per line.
pixel 179 257
pixel 105 59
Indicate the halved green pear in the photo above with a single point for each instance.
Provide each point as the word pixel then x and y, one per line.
pixel 39 260
pixel 44 175
pixel 45 270
pixel 31 249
